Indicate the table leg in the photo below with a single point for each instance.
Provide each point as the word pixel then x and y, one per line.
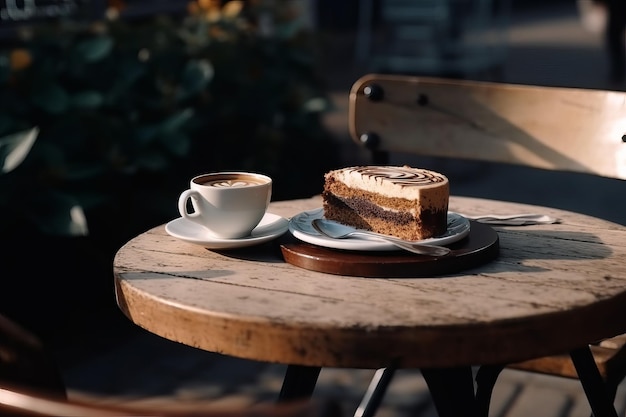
pixel 299 382
pixel 486 378
pixel 375 392
pixel 592 382
pixel 452 391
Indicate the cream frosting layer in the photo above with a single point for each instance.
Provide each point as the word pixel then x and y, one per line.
pixel 395 181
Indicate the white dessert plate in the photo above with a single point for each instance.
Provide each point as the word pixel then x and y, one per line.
pixel 300 226
pixel 270 227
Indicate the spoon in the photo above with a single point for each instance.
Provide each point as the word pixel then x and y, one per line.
pixel 336 230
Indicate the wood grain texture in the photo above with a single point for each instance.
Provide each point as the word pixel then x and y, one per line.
pixel 552 288
pixel 555 128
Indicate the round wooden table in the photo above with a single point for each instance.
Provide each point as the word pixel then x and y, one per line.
pixel 552 288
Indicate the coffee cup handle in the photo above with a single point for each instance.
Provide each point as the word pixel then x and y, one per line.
pixel 182 205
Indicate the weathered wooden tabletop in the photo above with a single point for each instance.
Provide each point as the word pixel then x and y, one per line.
pixel 551 289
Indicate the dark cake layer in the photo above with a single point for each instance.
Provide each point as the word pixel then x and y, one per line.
pixel 361 212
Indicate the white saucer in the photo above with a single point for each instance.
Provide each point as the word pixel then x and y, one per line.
pixel 300 226
pixel 270 227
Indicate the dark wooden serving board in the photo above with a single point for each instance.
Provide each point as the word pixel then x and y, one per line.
pixel 479 247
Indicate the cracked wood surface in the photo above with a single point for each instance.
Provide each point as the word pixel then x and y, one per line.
pixel 552 288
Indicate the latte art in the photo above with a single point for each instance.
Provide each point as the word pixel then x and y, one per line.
pixel 231 183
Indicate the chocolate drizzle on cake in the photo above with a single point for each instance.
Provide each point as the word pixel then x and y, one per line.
pixel 404 176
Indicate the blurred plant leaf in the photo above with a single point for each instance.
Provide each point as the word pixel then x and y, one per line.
pixel 82 171
pixel 127 73
pixel 87 99
pixel 152 161
pixel 169 125
pixel 52 98
pixel 14 148
pixel 177 120
pixel 316 105
pixel 58 214
pixel 176 142
pixel 94 49
pixel 196 76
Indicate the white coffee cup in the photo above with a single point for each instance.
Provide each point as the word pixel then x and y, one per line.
pixel 228 204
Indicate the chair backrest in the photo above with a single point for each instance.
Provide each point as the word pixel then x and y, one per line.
pixel 553 128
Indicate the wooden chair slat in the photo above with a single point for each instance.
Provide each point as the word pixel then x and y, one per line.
pixel 564 129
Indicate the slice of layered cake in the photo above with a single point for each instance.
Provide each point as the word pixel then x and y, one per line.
pixel 409 203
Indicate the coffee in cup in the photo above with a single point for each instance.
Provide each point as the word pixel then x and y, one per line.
pixel 228 204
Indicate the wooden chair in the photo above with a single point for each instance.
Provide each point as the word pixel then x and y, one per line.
pixel 31 385
pixel 548 128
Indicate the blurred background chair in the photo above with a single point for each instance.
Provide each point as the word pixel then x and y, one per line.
pixel 546 128
pixel 31 385
pixel 451 38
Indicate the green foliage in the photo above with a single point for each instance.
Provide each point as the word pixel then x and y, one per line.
pixel 14 149
pixel 127 112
